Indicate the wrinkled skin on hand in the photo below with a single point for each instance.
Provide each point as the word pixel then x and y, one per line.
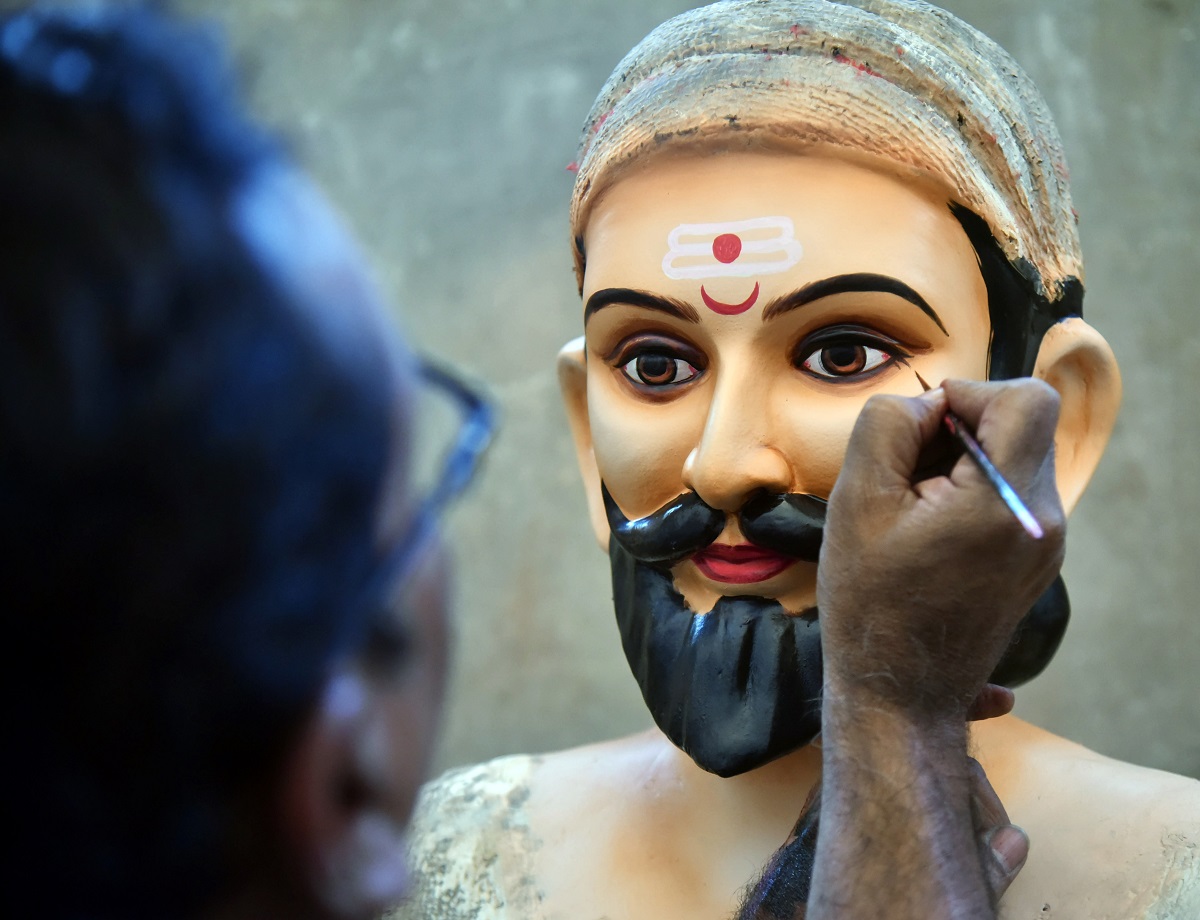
pixel 782 892
pixel 923 578
pixel 921 584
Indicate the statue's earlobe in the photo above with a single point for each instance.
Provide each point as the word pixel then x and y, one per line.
pixel 572 380
pixel 1077 361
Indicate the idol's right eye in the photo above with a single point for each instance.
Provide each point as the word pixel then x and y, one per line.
pixel 656 365
pixel 655 369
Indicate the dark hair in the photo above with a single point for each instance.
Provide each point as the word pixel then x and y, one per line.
pixel 189 475
pixel 1019 314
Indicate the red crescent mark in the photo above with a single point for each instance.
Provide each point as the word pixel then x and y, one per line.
pixel 727 247
pixel 730 309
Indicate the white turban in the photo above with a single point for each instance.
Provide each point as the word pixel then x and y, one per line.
pixel 896 80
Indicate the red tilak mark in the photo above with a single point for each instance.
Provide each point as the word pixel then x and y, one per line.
pixel 727 247
pixel 603 118
pixel 797 31
pixel 993 138
pixel 572 167
pixel 899 51
pixel 857 65
pixel 729 309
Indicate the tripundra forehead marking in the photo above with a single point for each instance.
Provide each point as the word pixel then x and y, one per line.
pixel 732 249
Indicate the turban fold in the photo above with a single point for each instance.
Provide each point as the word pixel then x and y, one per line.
pixel 897 81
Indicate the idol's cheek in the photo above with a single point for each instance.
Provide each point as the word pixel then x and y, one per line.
pixel 640 449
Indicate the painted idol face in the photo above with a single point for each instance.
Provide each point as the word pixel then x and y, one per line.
pixel 740 309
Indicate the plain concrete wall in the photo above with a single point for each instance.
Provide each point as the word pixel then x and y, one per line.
pixel 442 128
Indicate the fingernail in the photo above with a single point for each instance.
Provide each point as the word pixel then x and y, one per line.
pixel 1011 847
pixel 934 396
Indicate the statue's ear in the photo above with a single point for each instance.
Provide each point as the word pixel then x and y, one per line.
pixel 1076 360
pixel 572 380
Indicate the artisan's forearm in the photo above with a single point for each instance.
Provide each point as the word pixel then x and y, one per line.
pixel 897 837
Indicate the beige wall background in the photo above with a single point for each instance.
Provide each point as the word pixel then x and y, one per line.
pixel 443 129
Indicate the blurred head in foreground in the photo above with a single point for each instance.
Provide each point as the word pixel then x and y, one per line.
pixel 225 599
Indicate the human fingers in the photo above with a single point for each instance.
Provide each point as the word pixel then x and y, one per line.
pixel 992 702
pixel 1015 423
pixel 1005 850
pixel 1013 420
pixel 1005 846
pixel 887 440
pixel 986 806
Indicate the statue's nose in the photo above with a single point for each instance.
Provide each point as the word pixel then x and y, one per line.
pixel 739 452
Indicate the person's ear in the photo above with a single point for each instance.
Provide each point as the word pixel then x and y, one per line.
pixel 1076 360
pixel 572 380
pixel 350 842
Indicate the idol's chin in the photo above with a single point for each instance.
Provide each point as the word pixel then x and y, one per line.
pixel 734 688
pixel 735 681
pixel 794 589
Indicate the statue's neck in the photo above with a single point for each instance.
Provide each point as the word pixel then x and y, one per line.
pixel 768 795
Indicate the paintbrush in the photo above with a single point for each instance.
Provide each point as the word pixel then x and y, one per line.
pixel 958 428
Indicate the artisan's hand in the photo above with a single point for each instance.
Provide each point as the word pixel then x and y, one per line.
pixel 992 702
pixel 782 891
pixel 921 583
pixel 920 586
pixel 1003 845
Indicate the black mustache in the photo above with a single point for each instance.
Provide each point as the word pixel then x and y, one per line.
pixel 790 522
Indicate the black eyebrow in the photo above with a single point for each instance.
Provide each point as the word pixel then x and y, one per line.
pixel 634 298
pixel 859 282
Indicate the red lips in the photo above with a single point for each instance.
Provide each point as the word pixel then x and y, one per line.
pixel 740 565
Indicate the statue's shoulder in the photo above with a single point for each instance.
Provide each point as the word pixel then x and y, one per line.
pixel 1159 813
pixel 487 840
pixel 1108 839
pixel 470 847
pixel 1148 821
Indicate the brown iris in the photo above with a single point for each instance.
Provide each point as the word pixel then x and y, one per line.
pixel 844 359
pixel 655 369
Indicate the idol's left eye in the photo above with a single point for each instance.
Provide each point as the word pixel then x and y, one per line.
pixel 847 353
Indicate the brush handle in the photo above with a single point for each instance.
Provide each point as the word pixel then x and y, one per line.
pixel 1006 492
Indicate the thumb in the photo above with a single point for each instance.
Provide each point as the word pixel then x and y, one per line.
pixel 1007 848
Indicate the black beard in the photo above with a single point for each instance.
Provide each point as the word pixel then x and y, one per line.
pixel 739 686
